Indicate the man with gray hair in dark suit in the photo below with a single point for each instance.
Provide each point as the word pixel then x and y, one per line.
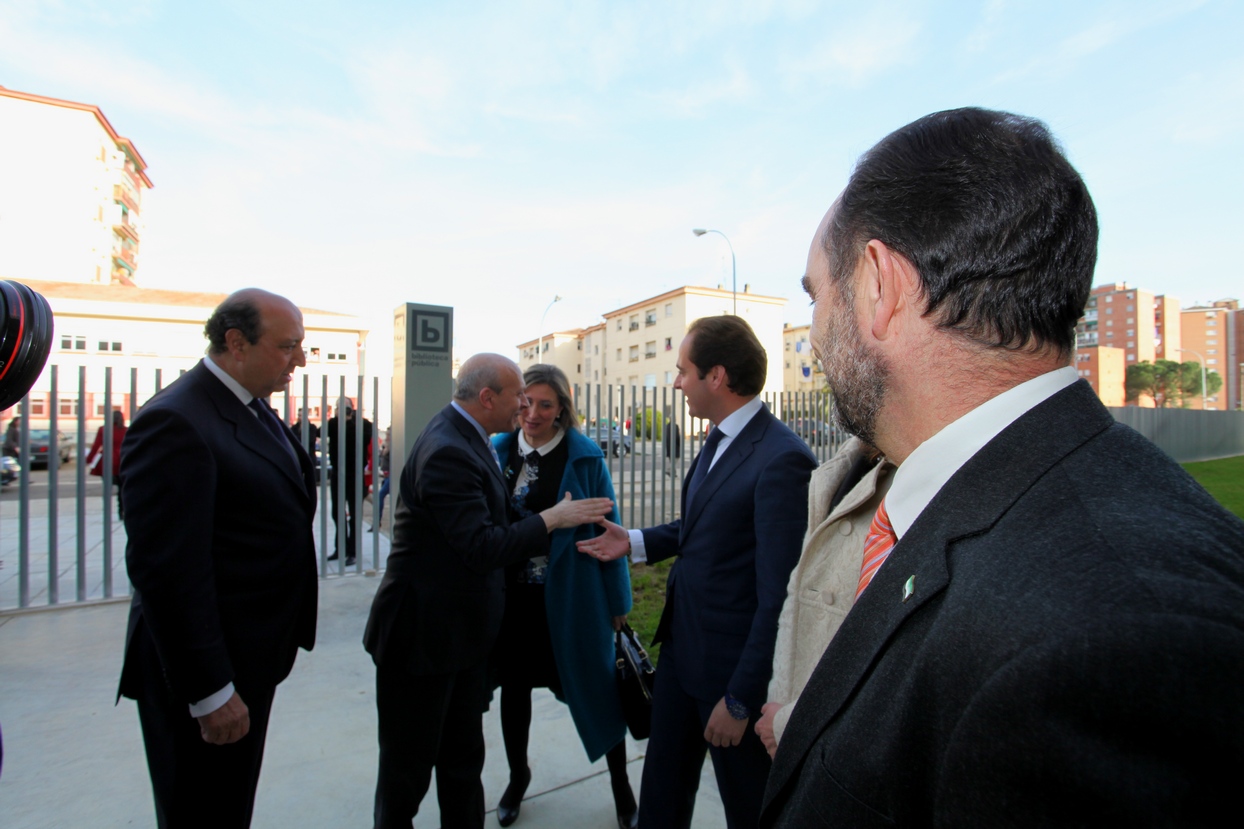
pixel 1049 622
pixel 437 612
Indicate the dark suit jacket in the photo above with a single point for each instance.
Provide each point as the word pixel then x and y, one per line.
pixel 736 545
pixel 1073 653
pixel 439 607
pixel 220 549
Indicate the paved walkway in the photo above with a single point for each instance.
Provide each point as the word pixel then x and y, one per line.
pixel 73 759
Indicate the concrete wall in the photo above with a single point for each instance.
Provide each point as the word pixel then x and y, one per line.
pixel 1188 435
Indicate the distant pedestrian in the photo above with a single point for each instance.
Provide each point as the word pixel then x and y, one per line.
pixel 673 445
pixel 12 437
pixel 95 458
pixel 384 474
pixel 345 412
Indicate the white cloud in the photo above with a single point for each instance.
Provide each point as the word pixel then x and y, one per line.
pixel 858 51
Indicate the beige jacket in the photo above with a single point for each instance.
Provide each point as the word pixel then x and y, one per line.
pixel 822 585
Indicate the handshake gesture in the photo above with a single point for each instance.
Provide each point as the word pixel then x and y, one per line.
pixel 571 513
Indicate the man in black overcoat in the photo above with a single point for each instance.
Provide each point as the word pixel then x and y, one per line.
pixel 1056 638
pixel 219 499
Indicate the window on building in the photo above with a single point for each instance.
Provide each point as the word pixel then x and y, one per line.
pixel 1211 342
pixel 72 342
pixel 545 347
pixel 669 309
pixel 669 377
pixel 1211 351
pixel 634 322
pixel 105 345
pixel 38 405
pixel 633 354
pixel 650 381
pixel 1131 332
pixel 579 344
pixel 788 363
pixel 619 355
pixel 619 323
pixel 1109 310
pixel 1131 320
pixel 1211 362
pixel 650 349
pixel 1131 344
pixel 335 357
pixel 67 406
pixel 595 349
pixel 1131 307
pixel 1109 298
pixel 1131 358
pixel 1211 322
pixel 99 408
pixel 596 375
pixel 669 343
pixel 313 355
pixel 578 369
pixel 650 316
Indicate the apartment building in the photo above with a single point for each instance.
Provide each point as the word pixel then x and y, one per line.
pixel 1105 368
pixel 148 336
pixel 636 346
pixel 801 371
pixel 79 185
pixel 1212 332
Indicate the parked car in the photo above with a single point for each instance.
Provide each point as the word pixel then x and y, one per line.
pixel 9 470
pixel 815 431
pixel 39 442
pixel 601 433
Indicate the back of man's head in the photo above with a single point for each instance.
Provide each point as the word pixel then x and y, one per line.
pixel 997 222
pixel 480 372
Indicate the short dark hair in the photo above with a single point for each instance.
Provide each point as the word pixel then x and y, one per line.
pixel 555 379
pixel 984 204
pixel 239 311
pixel 728 341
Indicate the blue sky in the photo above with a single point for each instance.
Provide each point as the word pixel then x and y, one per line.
pixel 491 155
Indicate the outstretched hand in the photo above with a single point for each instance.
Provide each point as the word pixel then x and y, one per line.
pixel 614 543
pixel 571 513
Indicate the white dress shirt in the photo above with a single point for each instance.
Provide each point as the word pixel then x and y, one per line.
pixel 932 464
pixel 730 426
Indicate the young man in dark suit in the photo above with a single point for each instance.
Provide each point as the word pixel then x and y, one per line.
pixel 219 500
pixel 1049 629
pixel 438 610
pixel 744 510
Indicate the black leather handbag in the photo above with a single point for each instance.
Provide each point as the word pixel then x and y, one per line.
pixel 635 678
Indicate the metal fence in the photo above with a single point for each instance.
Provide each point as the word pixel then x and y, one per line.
pixel 60 542
pixel 60 538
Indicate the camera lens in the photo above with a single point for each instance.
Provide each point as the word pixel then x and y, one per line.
pixel 26 332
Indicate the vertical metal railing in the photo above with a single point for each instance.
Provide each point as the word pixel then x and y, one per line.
pixel 646 470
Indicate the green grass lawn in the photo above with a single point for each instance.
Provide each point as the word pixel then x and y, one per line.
pixel 648 588
pixel 1224 479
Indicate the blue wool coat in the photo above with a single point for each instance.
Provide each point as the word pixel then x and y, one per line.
pixel 582 595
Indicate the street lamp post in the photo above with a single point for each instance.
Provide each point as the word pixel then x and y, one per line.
pixel 1202 359
pixel 734 276
pixel 540 341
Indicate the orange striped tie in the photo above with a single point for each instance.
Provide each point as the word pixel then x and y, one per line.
pixel 877 546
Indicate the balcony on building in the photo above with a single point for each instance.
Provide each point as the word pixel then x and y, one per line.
pixel 123 196
pixel 634 326
pixel 650 319
pixel 650 355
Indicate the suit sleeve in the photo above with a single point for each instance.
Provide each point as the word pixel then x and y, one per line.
pixel 450 485
pixel 169 490
pixel 781 516
pixel 661 542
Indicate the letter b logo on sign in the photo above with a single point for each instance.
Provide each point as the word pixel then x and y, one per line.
pixel 429 331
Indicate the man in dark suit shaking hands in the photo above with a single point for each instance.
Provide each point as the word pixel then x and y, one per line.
pixel 1049 629
pixel 219 500
pixel 437 612
pixel 744 510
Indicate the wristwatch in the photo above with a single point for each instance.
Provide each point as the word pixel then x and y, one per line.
pixel 736 708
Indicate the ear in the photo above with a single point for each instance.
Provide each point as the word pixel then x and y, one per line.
pixel 236 343
pixel 717 378
pixel 486 396
pixel 890 286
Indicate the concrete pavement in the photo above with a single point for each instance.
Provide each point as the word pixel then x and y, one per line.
pixel 72 758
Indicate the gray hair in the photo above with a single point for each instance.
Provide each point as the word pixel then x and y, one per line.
pixel 480 372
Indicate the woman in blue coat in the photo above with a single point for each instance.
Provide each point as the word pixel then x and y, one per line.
pixel 560 610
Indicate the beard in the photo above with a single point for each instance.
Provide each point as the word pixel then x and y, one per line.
pixel 857 376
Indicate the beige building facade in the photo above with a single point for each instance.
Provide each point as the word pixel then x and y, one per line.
pixel 80 188
pixel 149 337
pixel 636 347
pixel 1211 332
pixel 801 370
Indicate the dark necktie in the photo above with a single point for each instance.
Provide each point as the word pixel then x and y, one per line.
pixel 268 418
pixel 704 462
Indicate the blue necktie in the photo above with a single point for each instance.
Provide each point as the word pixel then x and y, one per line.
pixel 705 461
pixel 268 418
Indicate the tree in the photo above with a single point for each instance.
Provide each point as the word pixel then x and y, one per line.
pixel 1168 382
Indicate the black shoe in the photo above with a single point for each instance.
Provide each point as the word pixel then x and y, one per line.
pixel 349 561
pixel 333 557
pixel 512 800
